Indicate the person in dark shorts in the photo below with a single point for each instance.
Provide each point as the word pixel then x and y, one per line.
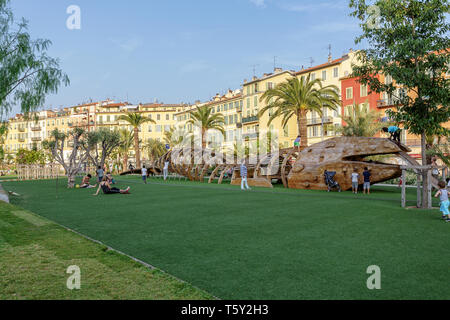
pixel 100 173
pixel 366 175
pixel 106 188
pixel 395 133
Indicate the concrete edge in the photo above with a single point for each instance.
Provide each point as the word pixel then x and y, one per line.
pixel 3 195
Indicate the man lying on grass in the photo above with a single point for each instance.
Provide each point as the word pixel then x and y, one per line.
pixel 105 185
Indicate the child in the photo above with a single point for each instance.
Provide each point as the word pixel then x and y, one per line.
pixel 110 178
pixel 100 173
pixel 144 174
pixel 244 182
pixel 395 133
pixel 442 194
pixel 366 175
pixel 166 170
pixel 355 184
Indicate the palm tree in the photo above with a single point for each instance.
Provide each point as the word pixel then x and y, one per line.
pixel 296 97
pixel 126 142
pixel 155 149
pixel 361 122
pixel 204 117
pixel 175 137
pixel 136 120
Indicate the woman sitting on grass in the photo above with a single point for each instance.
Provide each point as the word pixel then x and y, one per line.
pixel 85 184
pixel 105 185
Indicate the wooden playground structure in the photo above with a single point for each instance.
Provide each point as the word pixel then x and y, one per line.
pixel 294 168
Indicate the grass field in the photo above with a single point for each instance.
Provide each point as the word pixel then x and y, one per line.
pixel 261 244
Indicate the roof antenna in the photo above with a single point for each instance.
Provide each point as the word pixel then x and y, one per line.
pixel 311 60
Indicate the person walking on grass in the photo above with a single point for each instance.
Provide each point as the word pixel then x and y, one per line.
pixel 366 175
pixel 100 173
pixel 144 174
pixel 355 183
pixel 166 170
pixel 244 182
pixel 442 194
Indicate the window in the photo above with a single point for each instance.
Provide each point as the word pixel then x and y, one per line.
pixel 363 90
pixel 347 110
pixel 248 103
pixel 256 101
pixel 150 128
pixel 313 76
pixel 269 85
pixel 349 93
pixel 324 75
pixel 167 128
pixel 167 117
pixel 158 128
pixel 230 119
pixel 336 72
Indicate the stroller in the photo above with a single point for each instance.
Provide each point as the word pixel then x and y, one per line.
pixel 329 181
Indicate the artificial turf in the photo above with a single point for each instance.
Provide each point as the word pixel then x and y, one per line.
pixel 264 243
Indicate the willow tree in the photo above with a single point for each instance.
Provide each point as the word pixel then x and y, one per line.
pixel 27 72
pixel 408 42
pixel 295 98
pixel 204 118
pixel 136 120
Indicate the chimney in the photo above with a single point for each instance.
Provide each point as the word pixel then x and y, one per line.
pixel 245 81
pixel 277 70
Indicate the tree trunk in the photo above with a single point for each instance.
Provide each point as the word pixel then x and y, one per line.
pixel 425 203
pixel 71 180
pixel 302 129
pixel 136 148
pixel 203 139
pixel 125 162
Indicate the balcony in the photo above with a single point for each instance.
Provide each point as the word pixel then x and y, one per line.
pixel 37 128
pixel 250 119
pixel 386 103
pixel 250 136
pixel 315 121
pixel 21 140
pixel 239 109
pixel 21 129
pixel 36 139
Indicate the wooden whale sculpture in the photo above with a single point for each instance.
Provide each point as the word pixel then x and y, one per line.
pixel 343 155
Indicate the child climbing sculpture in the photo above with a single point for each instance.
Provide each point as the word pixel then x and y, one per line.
pixel 394 131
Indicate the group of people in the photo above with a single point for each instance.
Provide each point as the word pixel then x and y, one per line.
pixel 105 183
pixel 355 181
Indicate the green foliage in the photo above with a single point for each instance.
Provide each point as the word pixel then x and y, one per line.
pixel 100 144
pixel 175 137
pixel 361 122
pixel 296 97
pixel 410 43
pixel 155 149
pixel 29 157
pixel 206 120
pixel 27 73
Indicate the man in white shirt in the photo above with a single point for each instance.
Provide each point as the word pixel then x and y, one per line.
pixel 355 183
pixel 166 170
pixel 144 174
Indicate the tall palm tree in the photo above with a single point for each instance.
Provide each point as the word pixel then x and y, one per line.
pixel 126 142
pixel 155 149
pixel 207 120
pixel 296 97
pixel 136 120
pixel 361 122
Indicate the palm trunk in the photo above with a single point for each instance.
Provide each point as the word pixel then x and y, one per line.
pixel 136 148
pixel 203 139
pixel 125 162
pixel 302 129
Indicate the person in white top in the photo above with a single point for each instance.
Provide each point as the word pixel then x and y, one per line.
pixel 355 183
pixel 166 170
pixel 144 174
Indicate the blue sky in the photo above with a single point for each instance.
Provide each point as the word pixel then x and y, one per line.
pixel 180 50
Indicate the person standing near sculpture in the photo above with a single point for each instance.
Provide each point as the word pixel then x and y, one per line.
pixel 394 131
pixel 166 170
pixel 244 182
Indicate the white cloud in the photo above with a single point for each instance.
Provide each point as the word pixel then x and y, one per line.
pixel 259 3
pixel 129 45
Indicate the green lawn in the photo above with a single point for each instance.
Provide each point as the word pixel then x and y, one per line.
pixel 261 244
pixel 35 254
